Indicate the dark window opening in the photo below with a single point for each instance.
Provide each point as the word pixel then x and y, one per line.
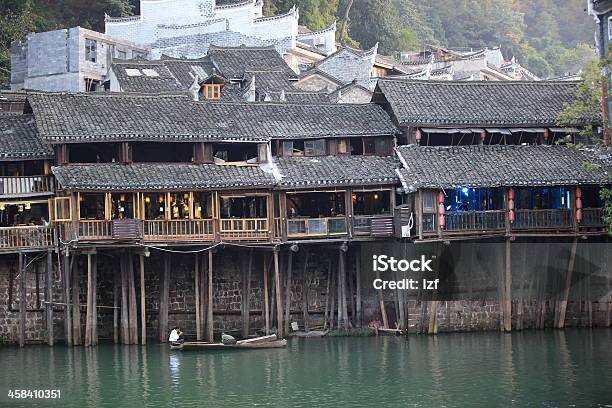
pixel 553 198
pixel 356 146
pixel 450 139
pixel 474 199
pixel 235 152
pixel 91 206
pixel 92 85
pixel 591 197
pixel 293 148
pixel 24 214
pixel 315 205
pixel 94 152
pixel 122 206
pixel 91 50
pixel 16 169
pixel 179 206
pixel 154 206
pixel 372 202
pixel 202 205
pixel 244 207
pixel 146 152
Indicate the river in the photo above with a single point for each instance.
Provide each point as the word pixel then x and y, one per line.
pixel 532 368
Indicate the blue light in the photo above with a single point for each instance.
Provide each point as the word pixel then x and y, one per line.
pixel 465 190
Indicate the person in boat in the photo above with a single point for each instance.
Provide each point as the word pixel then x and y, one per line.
pixel 227 339
pixel 176 335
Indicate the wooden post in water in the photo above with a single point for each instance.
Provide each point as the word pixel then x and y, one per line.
pixel 246 315
pixel 125 328
pixel 305 289
pixel 358 318
pixel 266 296
pixel 196 273
pixel 342 262
pixel 279 303
pixel 508 288
pixel 209 309
pixel 76 300
pixel 133 313
pixel 288 290
pixel 202 260
pixel 94 298
pixel 327 296
pixel 568 284
pixel 115 306
pixel 22 299
pixel 163 303
pixel 143 312
pixel 49 297
pixel 89 311
pixel 381 302
pixel 66 290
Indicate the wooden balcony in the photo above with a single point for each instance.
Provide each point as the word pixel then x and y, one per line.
pixel 593 217
pixel 537 220
pixel 373 225
pixel 316 227
pixel 26 237
pixel 171 230
pixel 91 230
pixel 26 186
pixel 235 229
pixel 472 221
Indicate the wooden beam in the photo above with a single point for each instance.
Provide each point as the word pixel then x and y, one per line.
pixel 49 297
pixel 266 296
pixel 568 284
pixel 125 327
pixel 163 303
pixel 289 278
pixel 209 310
pixel 279 303
pixel 196 272
pixel 143 312
pixel 133 314
pixel 22 299
pixel 76 301
pixel 66 290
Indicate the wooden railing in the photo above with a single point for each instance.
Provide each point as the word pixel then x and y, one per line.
pixel 26 237
pixel 430 222
pixel 243 228
pixel 543 219
pixel 475 220
pixel 373 225
pixel 195 230
pixel 26 185
pixel 592 217
pixel 95 229
pixel 316 227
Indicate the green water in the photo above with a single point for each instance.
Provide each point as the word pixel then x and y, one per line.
pixel 539 369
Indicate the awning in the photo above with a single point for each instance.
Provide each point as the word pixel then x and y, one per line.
pixel 501 131
pixel 527 130
pixel 563 130
pixel 450 131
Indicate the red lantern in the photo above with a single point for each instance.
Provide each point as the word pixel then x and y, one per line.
pixel 578 204
pixel 441 220
pixel 511 205
pixel 417 136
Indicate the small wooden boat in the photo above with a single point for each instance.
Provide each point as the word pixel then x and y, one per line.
pixel 264 342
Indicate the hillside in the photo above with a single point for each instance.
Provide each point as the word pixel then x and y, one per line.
pixel 550 37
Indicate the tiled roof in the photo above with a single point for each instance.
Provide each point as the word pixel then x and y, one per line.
pixel 142 78
pixel 65 117
pixel 501 165
pixel 233 62
pixel 19 139
pixel 332 171
pixel 477 103
pixel 153 177
pixel 185 70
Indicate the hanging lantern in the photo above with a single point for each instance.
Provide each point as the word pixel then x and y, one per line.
pixel 122 197
pixel 578 204
pixel 147 200
pixel 28 206
pixel 511 213
pixel 441 220
pixel 417 136
pixel 160 199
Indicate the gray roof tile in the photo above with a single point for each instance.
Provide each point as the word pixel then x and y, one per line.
pixel 19 139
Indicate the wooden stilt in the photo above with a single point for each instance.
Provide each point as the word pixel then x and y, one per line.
pixel 143 312
pixel 279 303
pixel 351 291
pixel 115 306
pixel 163 302
pixel 305 289
pixel 245 297
pixel 209 309
pixel 381 302
pixel 94 299
pixel 89 303
pixel 358 317
pixel 22 299
pixel 196 273
pixel 125 325
pixel 342 262
pixel 203 293
pixel 327 296
pixel 568 284
pixel 266 297
pixel 133 314
pixel 288 290
pixel 49 298
pixel 508 288
pixel 333 292
pixel 76 300
pixel 66 290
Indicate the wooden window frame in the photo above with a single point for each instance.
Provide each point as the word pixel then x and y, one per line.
pixel 58 200
pixel 212 91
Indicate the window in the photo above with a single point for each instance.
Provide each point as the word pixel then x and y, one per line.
pixel 90 50
pixel 293 148
pixel 343 147
pixel 91 206
pixel 314 147
pixel 154 206
pixel 62 209
pixel 131 72
pixel 212 91
pixel 429 201
pixel 150 72
pixel 121 54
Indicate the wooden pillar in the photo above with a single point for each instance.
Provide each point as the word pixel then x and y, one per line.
pixel 125 328
pixel 143 312
pixel 246 290
pixel 76 301
pixel 508 288
pixel 358 317
pixel 288 290
pixel 209 309
pixel 279 303
pixel 327 295
pixel 266 297
pixel 116 277
pixel 433 317
pixel 203 292
pixel 196 272
pixel 133 314
pixel 305 289
pixel 66 290
pixel 568 284
pixel 342 281
pixel 89 312
pixel 94 309
pixel 49 297
pixel 381 302
pixel 22 299
pixel 163 302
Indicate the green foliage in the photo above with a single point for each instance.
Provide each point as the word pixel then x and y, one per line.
pixel 606 196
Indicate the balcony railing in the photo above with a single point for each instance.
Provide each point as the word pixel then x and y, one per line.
pixel 95 229
pixel 543 219
pixel 593 217
pixel 373 225
pixel 26 237
pixel 244 228
pixel 475 220
pixel 32 185
pixel 316 227
pixel 193 230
